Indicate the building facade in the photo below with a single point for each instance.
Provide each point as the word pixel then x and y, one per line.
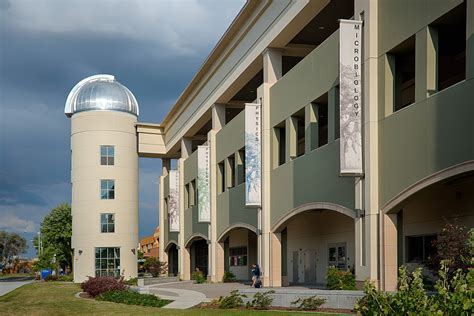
pixel 281 60
pixel 104 178
pixel 150 245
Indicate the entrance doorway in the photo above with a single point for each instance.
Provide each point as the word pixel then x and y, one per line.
pixel 199 254
pixel 173 260
pixel 337 256
pixel 304 267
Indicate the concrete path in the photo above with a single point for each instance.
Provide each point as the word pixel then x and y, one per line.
pixel 210 290
pixel 9 284
pixel 182 298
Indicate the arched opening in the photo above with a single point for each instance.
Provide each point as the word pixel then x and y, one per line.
pixel 414 219
pixel 239 243
pixel 172 252
pixel 314 239
pixel 199 254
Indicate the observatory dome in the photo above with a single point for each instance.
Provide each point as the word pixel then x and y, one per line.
pixel 100 93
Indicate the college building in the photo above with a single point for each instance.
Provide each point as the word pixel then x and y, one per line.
pixel 316 133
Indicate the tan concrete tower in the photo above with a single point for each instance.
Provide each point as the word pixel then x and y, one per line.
pixel 104 178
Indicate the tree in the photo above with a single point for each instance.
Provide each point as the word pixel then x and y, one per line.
pixel 155 267
pixel 56 232
pixel 11 245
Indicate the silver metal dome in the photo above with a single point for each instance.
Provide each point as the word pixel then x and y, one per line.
pixel 100 92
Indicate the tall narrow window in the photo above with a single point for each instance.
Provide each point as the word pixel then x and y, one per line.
pixel 221 170
pixel 241 166
pixel 193 193
pixel 322 124
pixel 186 196
pixel 107 189
pixel 231 171
pixel 107 261
pixel 280 133
pixel 300 133
pixel 107 223
pixel 107 155
pixel 404 75
pixel 451 32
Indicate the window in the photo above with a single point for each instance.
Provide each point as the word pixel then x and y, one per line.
pixel 451 33
pixel 403 58
pixel 231 170
pixel 107 223
pixel 107 262
pixel 186 196
pixel 280 136
pixel 107 189
pixel 300 133
pixel 420 248
pixel 193 193
pixel 322 124
pixel 221 181
pixel 238 256
pixel 107 154
pixel 337 256
pixel 241 166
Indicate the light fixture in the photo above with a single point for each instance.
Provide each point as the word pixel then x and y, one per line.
pixel 133 250
pixel 80 252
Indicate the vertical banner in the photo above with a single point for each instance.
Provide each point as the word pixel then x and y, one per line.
pixel 203 185
pixel 173 201
pixel 253 154
pixel 350 47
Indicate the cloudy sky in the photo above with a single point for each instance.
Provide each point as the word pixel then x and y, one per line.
pixel 46 47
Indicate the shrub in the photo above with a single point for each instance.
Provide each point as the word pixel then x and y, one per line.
pixel 309 303
pixel 228 277
pixel 97 285
pixel 66 278
pixel 155 267
pixel 50 278
pixel 454 246
pixel 261 300
pixel 198 277
pixel 234 300
pixel 132 298
pixel 132 281
pixel 454 295
pixel 340 280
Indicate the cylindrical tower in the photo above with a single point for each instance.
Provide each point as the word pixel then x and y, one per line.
pixel 104 178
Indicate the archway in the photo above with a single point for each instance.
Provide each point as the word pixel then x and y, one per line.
pixel 413 219
pixel 239 244
pixel 313 237
pixel 172 252
pixel 199 254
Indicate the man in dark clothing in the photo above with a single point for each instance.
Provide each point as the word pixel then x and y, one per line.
pixel 255 275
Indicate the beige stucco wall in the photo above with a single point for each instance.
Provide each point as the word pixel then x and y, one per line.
pixel 89 130
pixel 315 231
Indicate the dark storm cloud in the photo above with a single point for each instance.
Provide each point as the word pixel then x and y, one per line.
pixel 152 47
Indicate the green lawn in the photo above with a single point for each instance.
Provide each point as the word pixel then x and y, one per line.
pixel 4 276
pixel 57 298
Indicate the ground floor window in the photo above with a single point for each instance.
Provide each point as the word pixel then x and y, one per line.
pixel 420 248
pixel 107 261
pixel 337 256
pixel 238 256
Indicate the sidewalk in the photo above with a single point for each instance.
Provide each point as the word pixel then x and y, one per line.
pixel 8 286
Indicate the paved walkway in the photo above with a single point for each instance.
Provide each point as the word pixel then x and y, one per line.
pixel 9 284
pixel 186 294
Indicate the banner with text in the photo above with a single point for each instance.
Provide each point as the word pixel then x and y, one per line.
pixel 350 89
pixel 253 154
pixel 173 201
pixel 203 185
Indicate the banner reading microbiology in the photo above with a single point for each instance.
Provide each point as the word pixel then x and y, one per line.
pixel 203 185
pixel 173 201
pixel 350 90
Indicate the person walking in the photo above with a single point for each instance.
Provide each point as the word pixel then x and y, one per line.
pixel 256 276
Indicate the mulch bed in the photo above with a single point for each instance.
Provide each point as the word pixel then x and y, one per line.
pixel 275 308
pixel 85 295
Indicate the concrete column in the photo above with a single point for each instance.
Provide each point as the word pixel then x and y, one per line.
pixel 332 114
pixel 165 166
pixel 390 249
pixel 218 117
pixel 311 133
pixel 186 147
pixel 291 125
pixel 272 71
pixel 220 262
pixel 367 189
pixel 162 254
pixel 275 260
pixel 469 39
pixel 426 64
pixel 213 179
pixel 186 271
pixel 183 261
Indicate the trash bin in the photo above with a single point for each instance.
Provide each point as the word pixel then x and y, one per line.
pixel 45 273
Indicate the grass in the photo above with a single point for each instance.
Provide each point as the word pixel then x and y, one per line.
pixel 57 298
pixel 5 276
